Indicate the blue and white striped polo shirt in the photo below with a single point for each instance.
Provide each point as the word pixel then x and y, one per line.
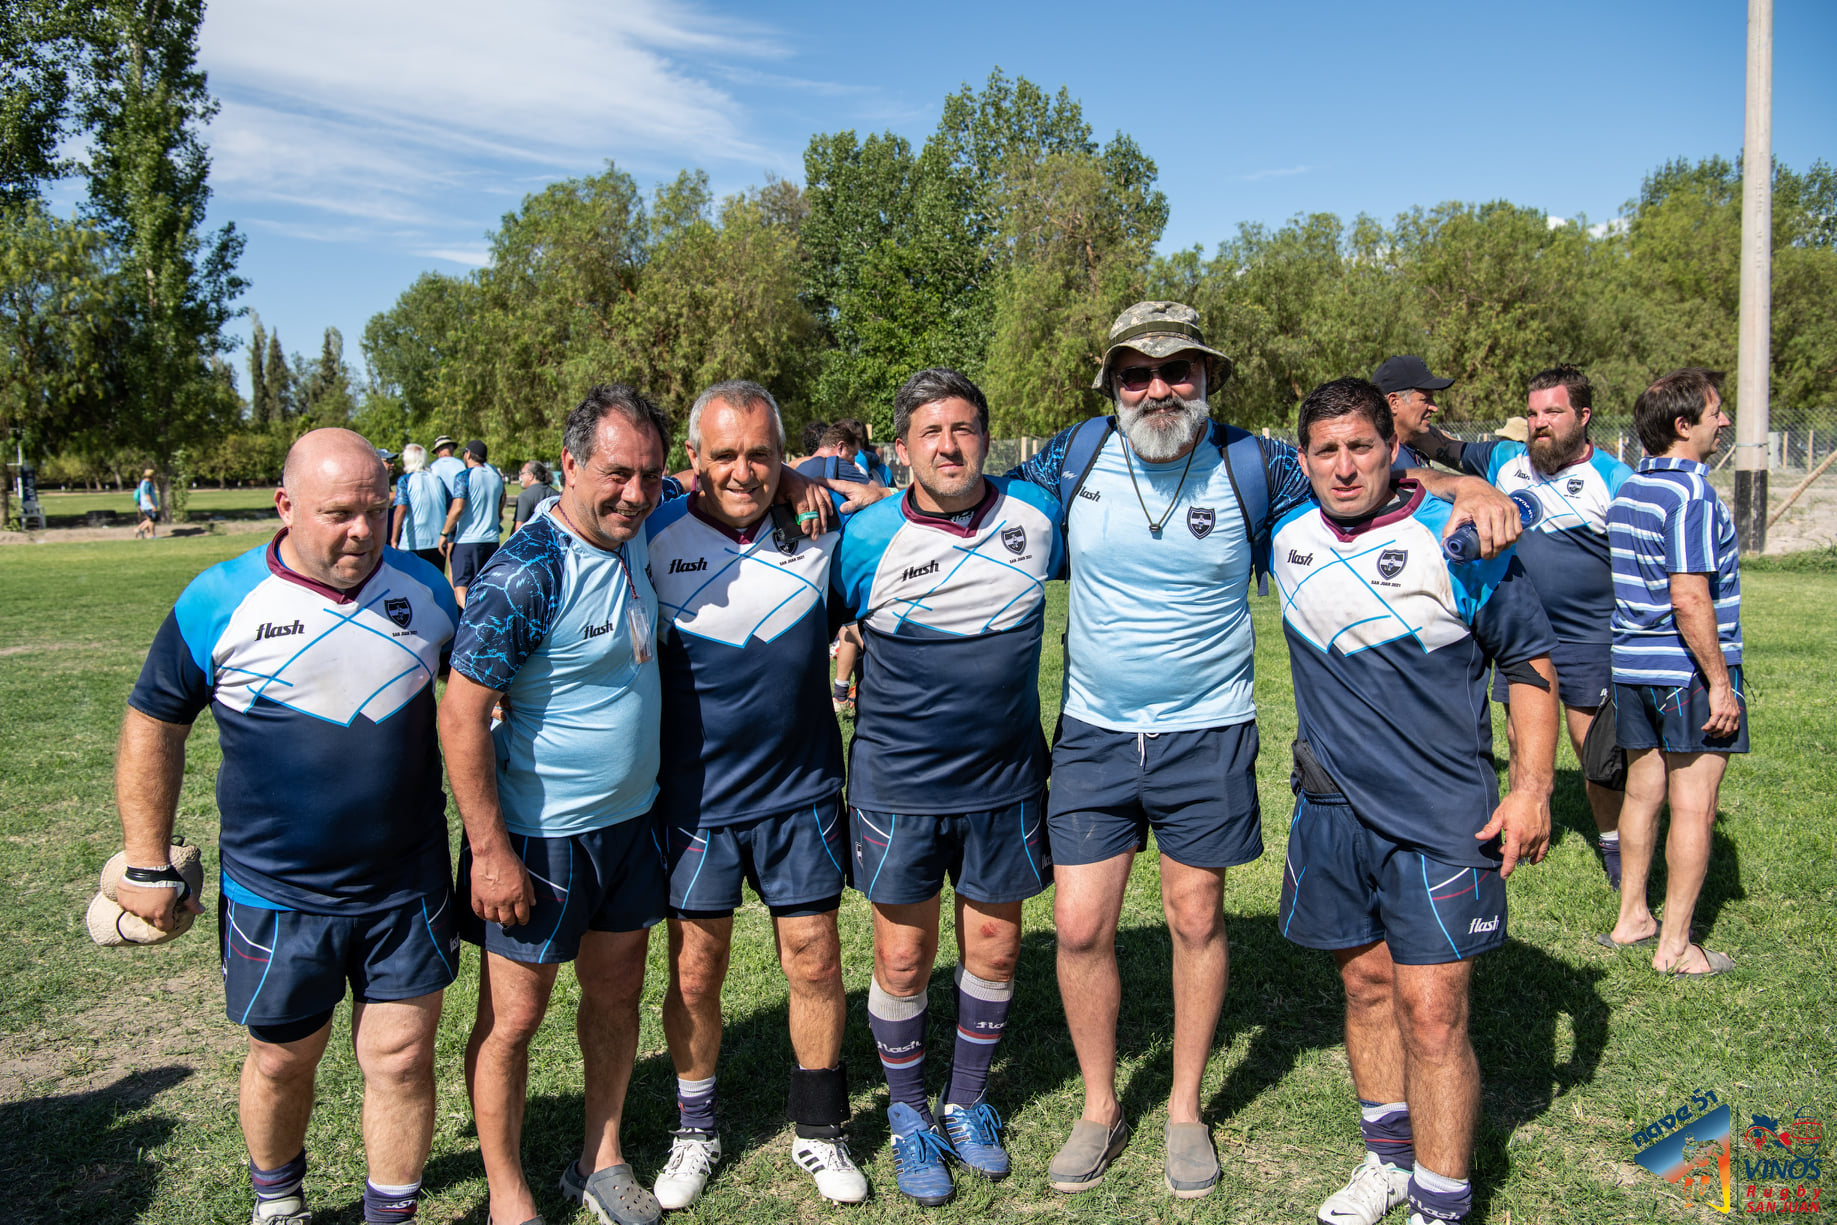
pixel 1668 520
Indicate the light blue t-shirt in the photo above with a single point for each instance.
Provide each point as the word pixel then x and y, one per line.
pixel 483 490
pixel 1159 637
pixel 547 623
pixel 425 495
pixel 451 470
pixel 145 496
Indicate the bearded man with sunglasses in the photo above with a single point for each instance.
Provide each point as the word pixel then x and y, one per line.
pixel 1165 514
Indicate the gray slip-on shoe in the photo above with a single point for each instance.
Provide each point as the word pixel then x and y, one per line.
pixel 614 1194
pixel 1192 1162
pixel 1081 1162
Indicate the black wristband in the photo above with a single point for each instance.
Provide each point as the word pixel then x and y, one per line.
pixel 167 875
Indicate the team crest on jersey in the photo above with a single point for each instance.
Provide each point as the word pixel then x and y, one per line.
pixel 1575 485
pixel 1199 521
pixel 1014 539
pixel 1390 562
pixel 399 610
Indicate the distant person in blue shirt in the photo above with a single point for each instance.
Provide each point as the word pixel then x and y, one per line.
pixel 316 655
pixel 830 461
pixel 478 493
pixel 146 501
pixel 1565 555
pixel 1399 845
pixel 864 455
pixel 1677 659
pixel 421 505
pixel 560 862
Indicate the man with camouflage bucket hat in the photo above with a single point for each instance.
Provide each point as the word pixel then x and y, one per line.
pixel 1166 514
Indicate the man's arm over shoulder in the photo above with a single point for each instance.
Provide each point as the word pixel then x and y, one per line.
pixel 1288 484
pixel 511 607
pixel 1044 468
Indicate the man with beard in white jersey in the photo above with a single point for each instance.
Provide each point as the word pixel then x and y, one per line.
pixel 1166 514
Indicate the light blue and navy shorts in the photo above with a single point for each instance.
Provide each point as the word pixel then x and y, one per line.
pixel 603 880
pixel 995 856
pixel 1346 885
pixel 284 971
pixel 1671 717
pixel 797 862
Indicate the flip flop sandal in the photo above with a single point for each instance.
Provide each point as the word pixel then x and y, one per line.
pixel 1606 940
pixel 1719 963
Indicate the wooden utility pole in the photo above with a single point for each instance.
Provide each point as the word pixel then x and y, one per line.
pixel 1755 363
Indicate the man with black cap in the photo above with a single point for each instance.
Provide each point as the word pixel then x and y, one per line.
pixel 478 516
pixel 1410 389
pixel 1166 513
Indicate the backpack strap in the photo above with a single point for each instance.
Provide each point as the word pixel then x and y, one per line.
pixel 1087 439
pixel 1249 473
pixel 831 465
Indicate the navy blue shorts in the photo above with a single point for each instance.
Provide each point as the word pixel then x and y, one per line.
pixel 469 559
pixel 1584 670
pixel 1346 885
pixel 1663 717
pixel 795 861
pixel 1196 790
pixel 994 856
pixel 281 967
pixel 605 880
pixel 433 557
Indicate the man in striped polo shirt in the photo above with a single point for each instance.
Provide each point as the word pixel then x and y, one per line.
pixel 1677 659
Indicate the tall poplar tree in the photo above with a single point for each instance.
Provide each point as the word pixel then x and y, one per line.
pixel 258 375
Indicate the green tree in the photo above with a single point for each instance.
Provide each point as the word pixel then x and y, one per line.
pixel 408 346
pixel 43 48
pixel 148 173
pixel 259 405
pixel 325 391
pixel 277 381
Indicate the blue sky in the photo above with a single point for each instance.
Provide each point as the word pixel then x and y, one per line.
pixel 361 144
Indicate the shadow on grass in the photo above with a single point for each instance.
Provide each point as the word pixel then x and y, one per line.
pixel 83 1162
pixel 1721 883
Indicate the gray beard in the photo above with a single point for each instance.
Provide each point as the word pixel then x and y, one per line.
pixel 1162 440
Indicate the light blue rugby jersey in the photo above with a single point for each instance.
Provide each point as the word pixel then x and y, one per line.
pixel 451 470
pixel 1668 520
pixel 1160 637
pixel 546 623
pixel 1565 553
pixel 484 494
pixel 425 496
pixel 952 610
pixel 1389 644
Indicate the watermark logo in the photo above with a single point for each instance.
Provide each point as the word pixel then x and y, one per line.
pixel 1690 1148
pixel 1780 1162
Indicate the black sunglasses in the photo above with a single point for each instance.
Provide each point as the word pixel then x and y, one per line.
pixel 1137 378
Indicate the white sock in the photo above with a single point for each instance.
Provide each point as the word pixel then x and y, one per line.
pixel 1430 1180
pixel 1610 838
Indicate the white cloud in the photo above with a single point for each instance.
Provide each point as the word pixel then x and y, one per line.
pixel 1282 173
pixel 416 118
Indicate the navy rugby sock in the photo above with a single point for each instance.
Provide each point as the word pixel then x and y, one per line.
pixel 1438 1197
pixel 390 1205
pixel 695 1104
pixel 898 1023
pixel 1386 1128
pixel 982 1015
pixel 280 1182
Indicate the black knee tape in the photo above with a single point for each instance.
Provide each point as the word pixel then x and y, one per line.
pixel 805 910
pixel 819 1101
pixel 290 1031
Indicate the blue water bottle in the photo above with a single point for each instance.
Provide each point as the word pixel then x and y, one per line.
pixel 1464 543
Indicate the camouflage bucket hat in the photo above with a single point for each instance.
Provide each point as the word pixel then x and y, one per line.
pixel 1160 329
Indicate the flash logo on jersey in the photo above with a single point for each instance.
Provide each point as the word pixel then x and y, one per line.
pixel 679 566
pixel 912 572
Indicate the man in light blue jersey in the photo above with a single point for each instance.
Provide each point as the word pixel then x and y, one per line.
pixel 1564 555
pixel 146 503
pixel 1399 845
pixel 479 491
pixel 1167 513
pixel 1677 659
pixel 559 862
pixel 750 787
pixel 316 655
pixel 948 763
pixel 421 503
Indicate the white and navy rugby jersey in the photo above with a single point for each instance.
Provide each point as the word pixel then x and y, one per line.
pixel 743 634
pixel 952 609
pixel 547 623
pixel 483 490
pixel 1389 642
pixel 324 702
pixel 426 498
pixel 1159 636
pixel 1668 520
pixel 1565 553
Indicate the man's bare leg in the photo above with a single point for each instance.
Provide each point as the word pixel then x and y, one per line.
pixel 1603 804
pixel 1645 795
pixel 1441 1075
pixel 1695 785
pixel 699 953
pixel 1193 900
pixel 277 1096
pixel 610 969
pixel 1374 1047
pixel 512 998
pixel 394 1042
pixel 1087 904
pixel 810 953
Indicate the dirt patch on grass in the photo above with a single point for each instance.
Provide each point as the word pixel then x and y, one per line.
pixel 69 535
pixel 160 1024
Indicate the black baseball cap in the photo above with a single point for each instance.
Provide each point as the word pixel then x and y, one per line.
pixel 476 449
pixel 1406 372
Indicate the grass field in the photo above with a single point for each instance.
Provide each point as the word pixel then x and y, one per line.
pixel 118 1071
